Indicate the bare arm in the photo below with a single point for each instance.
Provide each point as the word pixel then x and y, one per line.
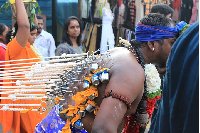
pixel 23 31
pixel 112 110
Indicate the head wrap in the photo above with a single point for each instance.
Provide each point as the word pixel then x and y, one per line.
pixel 145 33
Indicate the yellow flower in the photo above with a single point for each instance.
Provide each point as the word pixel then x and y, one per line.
pixel 66 128
pixel 76 118
pixel 57 100
pixel 13 1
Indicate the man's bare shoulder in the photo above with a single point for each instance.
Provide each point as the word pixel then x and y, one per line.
pixel 127 75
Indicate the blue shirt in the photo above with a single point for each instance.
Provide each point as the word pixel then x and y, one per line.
pixel 179 107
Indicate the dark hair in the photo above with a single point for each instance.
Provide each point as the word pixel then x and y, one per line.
pixel 11 34
pixel 156 19
pixel 33 27
pixel 39 17
pixel 65 37
pixel 153 19
pixel 2 28
pixel 162 9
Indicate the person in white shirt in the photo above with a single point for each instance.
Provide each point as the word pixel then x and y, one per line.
pixel 44 42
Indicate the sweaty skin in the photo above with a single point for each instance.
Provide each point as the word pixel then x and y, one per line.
pixel 126 79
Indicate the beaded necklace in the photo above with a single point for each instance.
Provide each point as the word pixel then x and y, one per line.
pixel 84 101
pixel 137 122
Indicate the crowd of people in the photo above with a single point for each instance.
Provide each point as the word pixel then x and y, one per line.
pixel 127 101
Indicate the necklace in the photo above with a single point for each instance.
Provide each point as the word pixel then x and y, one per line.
pixel 138 55
pixel 137 122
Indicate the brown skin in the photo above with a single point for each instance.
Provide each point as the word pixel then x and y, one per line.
pixel 166 50
pixel 161 70
pixel 3 36
pixel 158 52
pixel 126 82
pixel 23 31
pixel 74 31
pixel 40 24
pixel 126 79
pixel 32 37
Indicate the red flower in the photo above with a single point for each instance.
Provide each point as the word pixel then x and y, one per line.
pixel 151 105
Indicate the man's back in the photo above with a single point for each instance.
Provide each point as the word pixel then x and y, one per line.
pixel 126 80
pixel 178 112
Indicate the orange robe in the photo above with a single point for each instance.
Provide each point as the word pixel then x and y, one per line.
pixel 15 121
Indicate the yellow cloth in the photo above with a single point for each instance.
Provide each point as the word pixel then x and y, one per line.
pixel 92 47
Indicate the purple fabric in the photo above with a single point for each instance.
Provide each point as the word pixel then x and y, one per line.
pixel 54 124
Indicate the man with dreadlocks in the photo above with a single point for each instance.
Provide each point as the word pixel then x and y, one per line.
pixel 127 95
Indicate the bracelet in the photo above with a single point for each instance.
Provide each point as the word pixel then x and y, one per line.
pixel 123 99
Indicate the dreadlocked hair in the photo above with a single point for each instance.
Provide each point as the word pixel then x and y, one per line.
pixel 156 19
pixel 137 44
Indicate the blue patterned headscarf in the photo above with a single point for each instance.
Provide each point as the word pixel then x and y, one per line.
pixel 145 33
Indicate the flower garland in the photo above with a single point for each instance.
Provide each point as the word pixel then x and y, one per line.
pixel 152 92
pixel 85 99
pixel 153 83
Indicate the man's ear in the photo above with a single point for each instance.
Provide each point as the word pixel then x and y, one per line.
pixel 151 46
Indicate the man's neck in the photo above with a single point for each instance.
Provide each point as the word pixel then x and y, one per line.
pixel 145 55
pixel 39 33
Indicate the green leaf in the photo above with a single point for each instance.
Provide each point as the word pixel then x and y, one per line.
pixel 33 11
pixel 5 6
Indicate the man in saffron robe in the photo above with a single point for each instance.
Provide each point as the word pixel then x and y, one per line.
pixel 20 47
